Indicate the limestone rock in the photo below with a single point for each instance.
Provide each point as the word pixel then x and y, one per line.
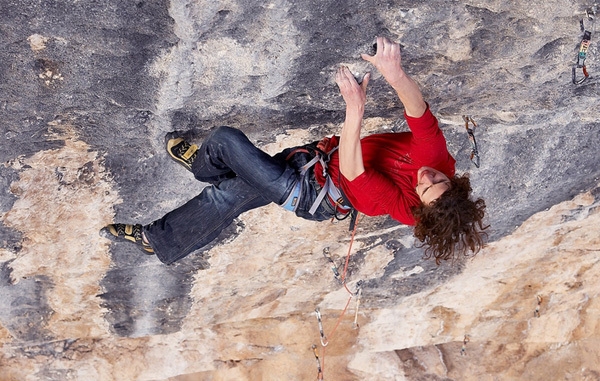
pixel 88 91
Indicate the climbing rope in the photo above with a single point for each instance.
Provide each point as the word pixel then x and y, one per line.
pixel 584 45
pixel 325 340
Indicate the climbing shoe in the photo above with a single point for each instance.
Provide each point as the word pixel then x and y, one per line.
pixel 181 151
pixel 132 233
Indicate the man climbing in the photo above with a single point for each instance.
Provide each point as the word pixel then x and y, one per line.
pixel 408 175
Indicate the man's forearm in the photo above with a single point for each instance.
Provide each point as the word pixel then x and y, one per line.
pixel 351 160
pixel 410 95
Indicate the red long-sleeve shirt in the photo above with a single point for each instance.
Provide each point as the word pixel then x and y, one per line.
pixel 391 162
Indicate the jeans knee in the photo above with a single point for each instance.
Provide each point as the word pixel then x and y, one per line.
pixel 227 134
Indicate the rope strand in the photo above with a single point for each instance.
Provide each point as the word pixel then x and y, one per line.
pixel 339 320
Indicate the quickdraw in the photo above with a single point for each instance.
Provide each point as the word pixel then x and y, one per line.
pixel 463 349
pixel 474 151
pixel 319 369
pixel 536 313
pixel 324 340
pixel 358 294
pixel 584 46
pixel 334 268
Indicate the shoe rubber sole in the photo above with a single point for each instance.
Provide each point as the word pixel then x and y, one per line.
pixel 112 233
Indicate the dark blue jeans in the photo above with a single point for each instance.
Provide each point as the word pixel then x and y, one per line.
pixel 242 178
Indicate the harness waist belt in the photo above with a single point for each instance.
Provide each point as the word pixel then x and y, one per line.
pixel 291 203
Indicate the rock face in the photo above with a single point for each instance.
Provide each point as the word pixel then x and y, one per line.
pixel 90 88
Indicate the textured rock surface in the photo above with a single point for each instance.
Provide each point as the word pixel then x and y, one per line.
pixel 88 90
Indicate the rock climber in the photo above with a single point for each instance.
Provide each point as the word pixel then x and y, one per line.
pixel 408 175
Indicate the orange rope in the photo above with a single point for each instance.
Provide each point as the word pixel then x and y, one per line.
pixel 348 257
pixel 339 320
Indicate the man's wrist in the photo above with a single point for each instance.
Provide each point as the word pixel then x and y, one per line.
pixel 356 110
pixel 397 81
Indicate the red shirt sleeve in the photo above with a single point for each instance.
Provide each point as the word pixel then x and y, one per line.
pixel 423 127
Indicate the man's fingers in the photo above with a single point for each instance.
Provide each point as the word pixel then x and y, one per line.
pixel 345 74
pixel 339 76
pixel 348 83
pixel 367 57
pixel 381 44
pixel 386 46
pixel 348 74
pixel 365 82
pixel 378 49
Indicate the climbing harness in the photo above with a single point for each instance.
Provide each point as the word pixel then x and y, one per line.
pixel 474 151
pixel 328 192
pixel 291 203
pixel 584 46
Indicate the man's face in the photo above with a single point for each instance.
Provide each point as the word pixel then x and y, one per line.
pixel 431 184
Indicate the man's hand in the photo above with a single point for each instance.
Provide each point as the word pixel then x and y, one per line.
pixel 354 95
pixel 387 60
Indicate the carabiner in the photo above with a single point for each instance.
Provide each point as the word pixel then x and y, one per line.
pixel 334 268
pixel 586 75
pixel 319 369
pixel 324 340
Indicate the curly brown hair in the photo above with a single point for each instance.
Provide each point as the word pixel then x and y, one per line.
pixel 452 225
